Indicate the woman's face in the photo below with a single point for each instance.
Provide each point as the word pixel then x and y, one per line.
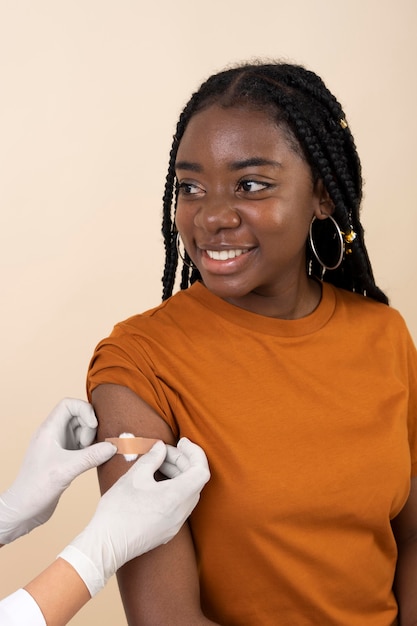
pixel 246 200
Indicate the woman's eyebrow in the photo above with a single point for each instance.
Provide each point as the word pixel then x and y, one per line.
pixel 190 166
pixel 253 162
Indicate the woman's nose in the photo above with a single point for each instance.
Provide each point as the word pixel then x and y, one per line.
pixel 216 214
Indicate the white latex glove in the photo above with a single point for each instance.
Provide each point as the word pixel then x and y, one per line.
pixel 52 461
pixel 138 513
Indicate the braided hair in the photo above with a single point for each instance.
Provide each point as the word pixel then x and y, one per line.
pixel 315 123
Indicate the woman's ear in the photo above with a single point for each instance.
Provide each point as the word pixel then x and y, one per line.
pixel 324 206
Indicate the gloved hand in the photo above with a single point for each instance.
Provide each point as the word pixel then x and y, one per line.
pixel 52 461
pixel 137 513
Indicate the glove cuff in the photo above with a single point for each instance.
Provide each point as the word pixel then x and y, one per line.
pixel 92 556
pixel 93 578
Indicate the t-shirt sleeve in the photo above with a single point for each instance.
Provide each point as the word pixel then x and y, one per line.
pixel 124 360
pixel 20 609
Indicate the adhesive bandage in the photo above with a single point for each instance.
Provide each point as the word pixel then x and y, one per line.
pixel 130 446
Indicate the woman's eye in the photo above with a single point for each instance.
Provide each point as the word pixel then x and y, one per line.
pixel 252 185
pixel 188 189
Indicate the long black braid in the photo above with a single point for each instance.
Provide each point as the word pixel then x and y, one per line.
pixel 300 102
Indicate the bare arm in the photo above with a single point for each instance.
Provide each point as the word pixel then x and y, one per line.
pixel 59 592
pixel 405 530
pixel 160 587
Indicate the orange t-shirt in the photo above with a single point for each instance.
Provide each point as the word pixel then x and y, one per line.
pixel 309 426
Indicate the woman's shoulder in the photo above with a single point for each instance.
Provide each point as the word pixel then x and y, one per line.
pixel 370 311
pixel 177 311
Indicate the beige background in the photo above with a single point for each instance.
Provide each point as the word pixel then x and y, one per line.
pixel 90 94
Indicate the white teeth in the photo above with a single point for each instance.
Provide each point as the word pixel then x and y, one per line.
pixel 223 255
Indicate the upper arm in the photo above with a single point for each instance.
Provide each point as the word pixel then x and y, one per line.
pixel 405 524
pixel 405 531
pixel 160 587
pixel 119 410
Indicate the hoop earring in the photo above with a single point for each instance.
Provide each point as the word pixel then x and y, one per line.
pixel 337 236
pixel 183 257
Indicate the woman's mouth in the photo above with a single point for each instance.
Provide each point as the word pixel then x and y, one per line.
pixel 224 255
pixel 226 261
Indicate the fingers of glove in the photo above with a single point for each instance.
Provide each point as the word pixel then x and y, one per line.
pixel 149 463
pixel 180 459
pixel 72 423
pixel 138 479
pixel 84 435
pixel 73 407
pixel 177 459
pixel 194 453
pixel 75 435
pixel 79 461
pixel 86 426
pixel 170 470
pixel 177 499
pixel 192 479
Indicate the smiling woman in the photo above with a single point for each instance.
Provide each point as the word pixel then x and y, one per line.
pixel 248 190
pixel 299 382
